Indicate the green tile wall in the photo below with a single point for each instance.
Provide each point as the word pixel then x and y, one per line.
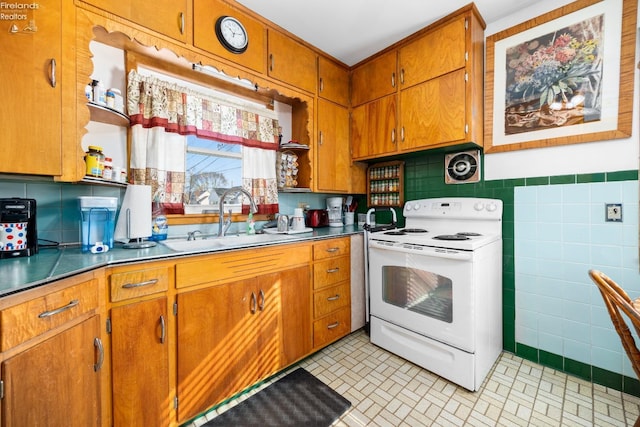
pixel 424 178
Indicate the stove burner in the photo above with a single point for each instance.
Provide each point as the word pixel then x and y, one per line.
pixel 404 231
pixel 451 237
pixel 469 233
pixel 414 230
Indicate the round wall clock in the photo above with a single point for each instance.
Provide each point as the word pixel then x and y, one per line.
pixel 232 34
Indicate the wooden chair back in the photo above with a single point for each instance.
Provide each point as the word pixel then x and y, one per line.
pixel 617 302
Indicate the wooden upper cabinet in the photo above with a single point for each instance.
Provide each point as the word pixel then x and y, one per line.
pixel 373 128
pixel 433 113
pixel 436 53
pixel 205 15
pixel 168 17
pixel 333 81
pixel 31 107
pixel 333 163
pixel 374 79
pixel 291 62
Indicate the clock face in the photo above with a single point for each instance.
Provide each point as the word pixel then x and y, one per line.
pixel 232 34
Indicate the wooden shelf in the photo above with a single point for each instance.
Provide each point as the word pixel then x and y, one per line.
pixel 104 114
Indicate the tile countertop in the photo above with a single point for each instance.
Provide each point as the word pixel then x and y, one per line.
pixel 50 264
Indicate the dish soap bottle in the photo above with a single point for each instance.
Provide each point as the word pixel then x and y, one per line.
pixel 251 225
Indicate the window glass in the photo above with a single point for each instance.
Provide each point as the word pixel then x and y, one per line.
pixel 212 167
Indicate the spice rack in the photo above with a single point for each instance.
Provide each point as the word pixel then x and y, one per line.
pixel 385 184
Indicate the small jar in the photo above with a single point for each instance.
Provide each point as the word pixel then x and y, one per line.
pixel 110 98
pixel 99 95
pixel 88 92
pixel 118 101
pixel 107 172
pixel 95 161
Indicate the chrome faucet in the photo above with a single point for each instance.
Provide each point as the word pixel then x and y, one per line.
pixel 192 234
pixel 223 226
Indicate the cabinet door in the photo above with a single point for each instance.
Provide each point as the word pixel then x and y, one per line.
pixel 333 155
pixel 374 79
pixel 31 107
pixel 54 383
pixel 436 53
pixel 333 81
pixel 164 16
pixel 291 62
pixel 373 128
pixel 433 113
pixel 205 15
pixel 296 313
pixel 216 344
pixel 140 364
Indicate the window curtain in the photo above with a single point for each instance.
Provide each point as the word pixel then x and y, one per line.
pixel 162 113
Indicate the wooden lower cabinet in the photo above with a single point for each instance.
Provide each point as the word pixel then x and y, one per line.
pixel 56 382
pixel 232 335
pixel 140 364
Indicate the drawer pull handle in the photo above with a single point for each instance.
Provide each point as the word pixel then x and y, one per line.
pixel 50 313
pixel 181 23
pixel 333 270
pixel 331 250
pixel 254 303
pixel 139 284
pixel 333 325
pixel 334 298
pixel 163 330
pixel 97 343
pixel 261 305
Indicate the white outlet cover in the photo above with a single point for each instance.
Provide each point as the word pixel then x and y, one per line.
pixel 613 212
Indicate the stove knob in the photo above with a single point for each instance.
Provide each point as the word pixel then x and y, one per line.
pixel 478 206
pixel 491 207
pixel 407 207
pixel 416 206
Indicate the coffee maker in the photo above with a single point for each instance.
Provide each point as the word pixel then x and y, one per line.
pixel 16 212
pixel 334 207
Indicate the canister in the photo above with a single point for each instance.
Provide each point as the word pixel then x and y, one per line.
pixel 94 159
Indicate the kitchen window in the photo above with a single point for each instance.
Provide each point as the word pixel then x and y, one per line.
pixel 211 167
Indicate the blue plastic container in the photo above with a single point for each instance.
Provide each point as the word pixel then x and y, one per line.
pixel 98 220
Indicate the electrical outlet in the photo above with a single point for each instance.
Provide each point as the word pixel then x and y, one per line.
pixel 613 212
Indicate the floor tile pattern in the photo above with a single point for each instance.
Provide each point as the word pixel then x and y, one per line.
pixel 386 390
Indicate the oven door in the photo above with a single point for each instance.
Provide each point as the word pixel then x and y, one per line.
pixel 424 289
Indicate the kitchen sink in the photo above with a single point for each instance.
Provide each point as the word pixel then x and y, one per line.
pixel 213 243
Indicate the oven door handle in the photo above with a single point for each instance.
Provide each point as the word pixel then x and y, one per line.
pixel 424 251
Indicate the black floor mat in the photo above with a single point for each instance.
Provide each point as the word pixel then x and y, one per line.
pixel 297 399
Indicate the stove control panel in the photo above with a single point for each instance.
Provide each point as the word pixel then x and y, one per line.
pixel 454 207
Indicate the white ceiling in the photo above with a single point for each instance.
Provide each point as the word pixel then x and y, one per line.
pixel 352 30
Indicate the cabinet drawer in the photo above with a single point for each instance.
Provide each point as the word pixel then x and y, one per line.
pixel 331 248
pixel 241 264
pixel 137 283
pixel 328 300
pixel 330 272
pixel 35 317
pixel 331 327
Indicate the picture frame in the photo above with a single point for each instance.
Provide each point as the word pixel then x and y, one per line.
pixel 548 80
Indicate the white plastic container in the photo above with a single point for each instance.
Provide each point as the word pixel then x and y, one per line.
pixel 98 219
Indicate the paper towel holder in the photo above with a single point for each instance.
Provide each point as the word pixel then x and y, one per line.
pixel 138 242
pixel 134 222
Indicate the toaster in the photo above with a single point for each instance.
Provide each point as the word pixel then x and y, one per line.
pixel 317 218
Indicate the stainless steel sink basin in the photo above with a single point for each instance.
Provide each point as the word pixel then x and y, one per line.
pixel 231 241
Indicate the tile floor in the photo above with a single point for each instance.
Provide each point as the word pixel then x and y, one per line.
pixel 386 390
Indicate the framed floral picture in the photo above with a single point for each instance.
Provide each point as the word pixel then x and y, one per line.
pixel 564 77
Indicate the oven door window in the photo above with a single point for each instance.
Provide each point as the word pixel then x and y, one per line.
pixel 419 291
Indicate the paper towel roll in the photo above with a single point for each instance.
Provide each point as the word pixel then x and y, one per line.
pixel 134 219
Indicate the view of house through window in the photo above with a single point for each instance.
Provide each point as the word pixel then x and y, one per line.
pixel 211 168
